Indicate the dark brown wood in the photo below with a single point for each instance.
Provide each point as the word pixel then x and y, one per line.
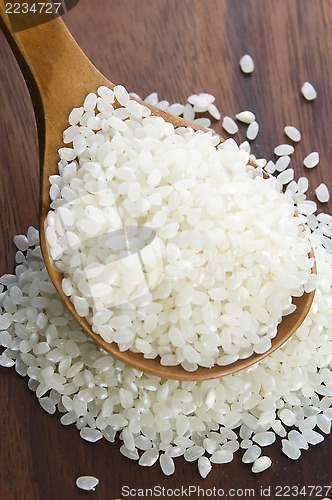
pixel 175 48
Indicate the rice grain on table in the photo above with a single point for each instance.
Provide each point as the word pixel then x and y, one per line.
pixel 311 160
pixel 308 91
pixel 283 150
pixel 201 102
pixel 322 193
pixel 104 364
pixel 292 133
pixel 245 146
pixel 176 109
pixel 229 125
pixel 282 163
pixel 164 105
pixel 290 449
pixel 247 64
pixel 214 111
pixel 306 207
pixel 286 176
pixel 251 454
pixel 87 483
pixel 302 184
pixel 246 116
pixel 151 99
pixel 252 131
pixel 188 112
pixel 204 466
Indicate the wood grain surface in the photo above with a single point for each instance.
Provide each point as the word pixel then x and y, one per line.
pixel 174 47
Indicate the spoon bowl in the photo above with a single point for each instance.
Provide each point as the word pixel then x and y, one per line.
pixel 59 76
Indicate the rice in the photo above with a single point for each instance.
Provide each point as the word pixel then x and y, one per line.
pixel 283 150
pixel 252 130
pixel 261 464
pixel 245 146
pixel 287 394
pixel 293 133
pixel 306 207
pixel 270 167
pixel 311 160
pixel 214 111
pixel 204 466
pixel 197 301
pixel 286 176
pixel 21 242
pixel 290 449
pixel 229 125
pixel 308 91
pixel 264 438
pixel 246 116
pixel 100 366
pixel 87 483
pixel 282 163
pixel 197 103
pixel 322 193
pixel 247 64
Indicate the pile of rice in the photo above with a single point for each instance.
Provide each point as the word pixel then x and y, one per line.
pixel 288 395
pixel 171 245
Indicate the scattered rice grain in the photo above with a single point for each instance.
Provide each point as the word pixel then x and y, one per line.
pixel 308 91
pixel 247 64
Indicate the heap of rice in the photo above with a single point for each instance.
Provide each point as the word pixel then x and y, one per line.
pixel 171 245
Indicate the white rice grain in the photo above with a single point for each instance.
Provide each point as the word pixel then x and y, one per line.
pixel 292 133
pixel 204 466
pixel 140 413
pixel 251 455
pixel 247 64
pixel 270 167
pixel 286 176
pixel 308 91
pixel 264 438
pixel 229 125
pixel 283 150
pixel 87 483
pixel 167 464
pixel 91 435
pixel 290 449
pixel 282 163
pixel 246 116
pixel 252 131
pixel 214 111
pixel 221 457
pixel 201 102
pixel 149 457
pixel 306 207
pixel 102 287
pixel 261 464
pixel 311 160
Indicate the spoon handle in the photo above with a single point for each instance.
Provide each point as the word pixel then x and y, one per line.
pixel 46 52
pixel 56 71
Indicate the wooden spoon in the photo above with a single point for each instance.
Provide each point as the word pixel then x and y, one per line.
pixel 59 76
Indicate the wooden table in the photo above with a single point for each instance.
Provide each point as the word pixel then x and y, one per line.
pixel 174 47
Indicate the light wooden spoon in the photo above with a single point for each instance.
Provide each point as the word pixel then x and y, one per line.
pixel 59 76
